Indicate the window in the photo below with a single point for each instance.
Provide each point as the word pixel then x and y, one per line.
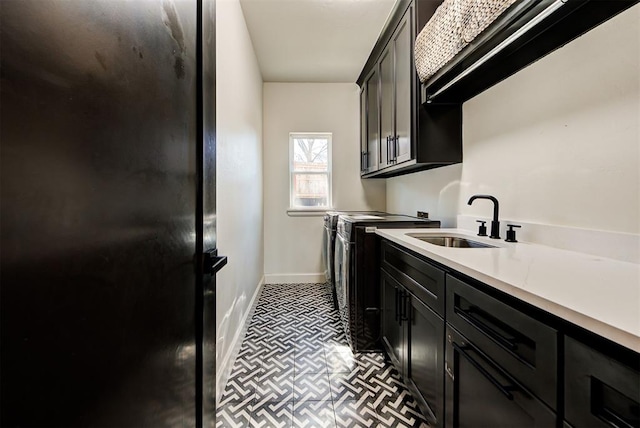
pixel 310 171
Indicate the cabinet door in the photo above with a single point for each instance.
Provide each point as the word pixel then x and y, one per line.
pixel 372 85
pixel 425 358
pixel 386 106
pixel 363 129
pixel 392 329
pixel 404 83
pixel 480 394
pixel 600 391
pixel 521 344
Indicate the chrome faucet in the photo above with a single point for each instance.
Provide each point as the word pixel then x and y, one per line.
pixel 495 224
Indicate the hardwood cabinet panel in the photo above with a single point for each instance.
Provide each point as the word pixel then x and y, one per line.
pixel 404 73
pixel 600 390
pixel 425 356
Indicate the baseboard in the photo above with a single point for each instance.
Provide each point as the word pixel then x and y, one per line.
pixel 295 278
pixel 224 371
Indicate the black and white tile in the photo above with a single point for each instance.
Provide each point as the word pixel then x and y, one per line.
pixel 295 369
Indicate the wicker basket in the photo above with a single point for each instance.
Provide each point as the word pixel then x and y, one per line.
pixel 453 26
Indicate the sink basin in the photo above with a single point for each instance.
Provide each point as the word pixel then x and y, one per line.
pixel 450 241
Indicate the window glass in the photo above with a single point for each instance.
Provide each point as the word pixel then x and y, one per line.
pixel 310 169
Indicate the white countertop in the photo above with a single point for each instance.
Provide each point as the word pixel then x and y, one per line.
pixel 596 293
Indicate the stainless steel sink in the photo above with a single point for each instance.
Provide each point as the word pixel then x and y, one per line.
pixel 450 241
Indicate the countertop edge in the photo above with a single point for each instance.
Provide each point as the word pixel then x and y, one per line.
pixel 608 331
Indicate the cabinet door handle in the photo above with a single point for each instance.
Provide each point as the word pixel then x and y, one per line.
pixel 471 316
pixel 397 311
pixel 505 390
pixel 393 149
pixel 396 147
pixel 388 148
pixel 405 301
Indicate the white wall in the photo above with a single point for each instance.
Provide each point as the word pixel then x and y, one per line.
pixel 293 244
pixel 557 143
pixel 239 178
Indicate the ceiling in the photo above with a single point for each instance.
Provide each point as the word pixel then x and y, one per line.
pixel 314 40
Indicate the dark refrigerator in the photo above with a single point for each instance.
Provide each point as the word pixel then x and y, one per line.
pixel 107 151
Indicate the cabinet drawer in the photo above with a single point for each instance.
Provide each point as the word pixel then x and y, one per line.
pixel 424 280
pixel 523 346
pixel 599 390
pixel 480 394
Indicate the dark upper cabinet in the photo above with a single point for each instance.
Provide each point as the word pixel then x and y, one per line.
pixel 395 95
pixel 403 47
pixel 386 106
pixel 370 123
pixel 412 137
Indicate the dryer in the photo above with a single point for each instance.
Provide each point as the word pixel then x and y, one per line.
pixel 357 273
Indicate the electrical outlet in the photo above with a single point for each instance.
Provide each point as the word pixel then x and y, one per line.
pixel 423 214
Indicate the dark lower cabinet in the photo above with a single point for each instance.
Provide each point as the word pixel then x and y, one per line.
pixel 392 326
pixel 600 390
pixel 413 336
pixel 523 345
pixel 479 393
pixel 497 362
pixel 425 355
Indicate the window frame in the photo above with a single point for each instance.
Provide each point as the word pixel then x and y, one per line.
pixel 292 173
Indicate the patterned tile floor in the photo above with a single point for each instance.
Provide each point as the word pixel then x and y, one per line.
pixel 295 369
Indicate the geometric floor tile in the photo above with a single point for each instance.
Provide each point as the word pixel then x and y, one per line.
pixel 400 411
pixel 232 415
pixel 272 415
pixel 352 413
pixel 312 387
pixel 314 413
pixel 349 386
pixel 341 362
pixel 295 369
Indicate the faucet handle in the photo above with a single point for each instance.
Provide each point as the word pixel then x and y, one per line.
pixel 511 234
pixel 482 229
